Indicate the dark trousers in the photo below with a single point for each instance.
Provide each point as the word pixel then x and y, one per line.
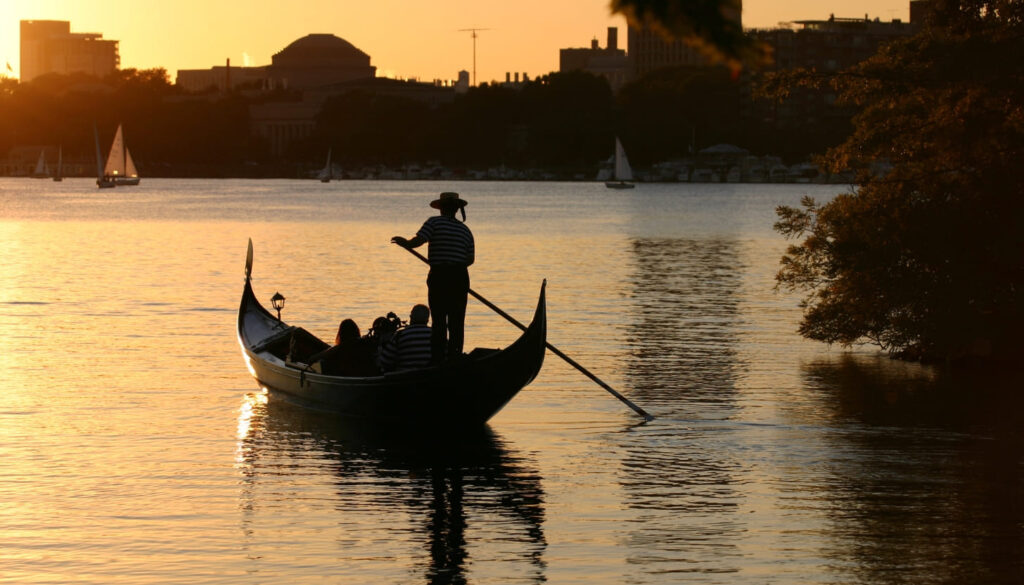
pixel 447 291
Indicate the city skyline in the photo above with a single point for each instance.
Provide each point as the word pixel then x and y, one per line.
pixel 423 42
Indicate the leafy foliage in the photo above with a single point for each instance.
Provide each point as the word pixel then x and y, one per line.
pixel 161 125
pixel 672 111
pixel 378 128
pixel 926 258
pixel 569 117
pixel 564 123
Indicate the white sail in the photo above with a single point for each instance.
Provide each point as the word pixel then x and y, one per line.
pixel 115 160
pixel 42 169
pixel 325 175
pixel 623 172
pixel 129 164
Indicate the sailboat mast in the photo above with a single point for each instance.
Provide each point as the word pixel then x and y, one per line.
pixel 99 157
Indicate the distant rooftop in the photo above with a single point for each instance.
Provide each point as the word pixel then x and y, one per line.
pixel 321 48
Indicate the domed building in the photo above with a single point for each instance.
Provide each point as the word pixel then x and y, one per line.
pixel 319 59
pixel 316 68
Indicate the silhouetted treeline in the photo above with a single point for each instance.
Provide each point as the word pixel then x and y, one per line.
pixel 563 122
pixel 560 122
pixel 926 258
pixel 164 128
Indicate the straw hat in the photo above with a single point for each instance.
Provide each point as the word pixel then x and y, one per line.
pixel 448 198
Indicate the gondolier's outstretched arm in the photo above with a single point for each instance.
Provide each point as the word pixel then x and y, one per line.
pixel 415 242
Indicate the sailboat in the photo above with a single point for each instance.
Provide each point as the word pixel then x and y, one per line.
pixel 59 174
pixel 101 181
pixel 623 173
pixel 120 167
pixel 42 170
pixel 325 175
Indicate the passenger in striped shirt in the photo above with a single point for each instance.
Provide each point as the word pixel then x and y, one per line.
pixel 409 347
pixel 450 253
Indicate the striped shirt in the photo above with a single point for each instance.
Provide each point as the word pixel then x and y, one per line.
pixel 451 242
pixel 408 349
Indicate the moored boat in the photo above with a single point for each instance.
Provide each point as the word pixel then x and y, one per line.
pixel 327 173
pixel 623 174
pixel 120 168
pixel 462 393
pixel 42 170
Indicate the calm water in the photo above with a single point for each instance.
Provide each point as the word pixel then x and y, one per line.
pixel 135 448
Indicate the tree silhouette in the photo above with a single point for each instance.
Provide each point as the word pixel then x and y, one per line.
pixel 926 258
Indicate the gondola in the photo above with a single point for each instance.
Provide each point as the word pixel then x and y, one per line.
pixel 462 393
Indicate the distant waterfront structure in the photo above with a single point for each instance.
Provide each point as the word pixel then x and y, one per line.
pixel 833 44
pixel 280 123
pixel 610 62
pixel 314 60
pixel 649 50
pixel 313 69
pixel 514 80
pixel 319 59
pixel 49 46
pixel 829 46
pixel 221 78
pixel 309 66
pixel 462 83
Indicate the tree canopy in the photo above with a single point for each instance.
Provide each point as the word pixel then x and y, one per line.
pixel 926 257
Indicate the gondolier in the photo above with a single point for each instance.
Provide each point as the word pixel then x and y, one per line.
pixel 460 395
pixel 450 253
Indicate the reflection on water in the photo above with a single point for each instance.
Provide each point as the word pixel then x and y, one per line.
pixel 685 304
pixel 925 483
pixel 684 360
pixel 879 391
pixel 449 494
pixel 772 460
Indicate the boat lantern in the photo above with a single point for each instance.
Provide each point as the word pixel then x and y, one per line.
pixel 278 302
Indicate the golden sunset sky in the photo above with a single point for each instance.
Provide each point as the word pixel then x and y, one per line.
pixel 404 38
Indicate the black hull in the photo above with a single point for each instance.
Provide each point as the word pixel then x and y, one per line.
pixel 463 393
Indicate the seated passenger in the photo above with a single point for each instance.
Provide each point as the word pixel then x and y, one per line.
pixel 351 355
pixel 409 348
pixel 347 331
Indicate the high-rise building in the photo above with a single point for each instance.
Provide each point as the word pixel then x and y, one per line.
pixel 49 46
pixel 831 45
pixel 609 62
pixel 649 50
pixel 828 46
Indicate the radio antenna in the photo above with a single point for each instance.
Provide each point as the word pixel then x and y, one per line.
pixel 473 34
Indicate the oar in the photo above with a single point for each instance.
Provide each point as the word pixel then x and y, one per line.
pixel 553 349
